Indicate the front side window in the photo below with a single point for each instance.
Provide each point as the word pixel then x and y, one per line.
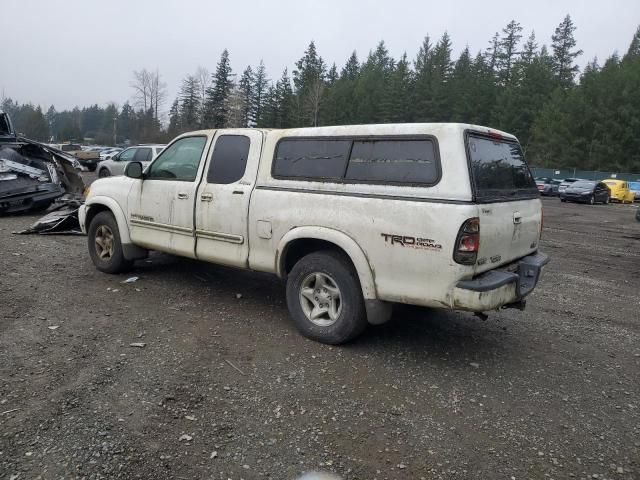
pixel 229 159
pixel 179 161
pixel 399 161
pixel 127 155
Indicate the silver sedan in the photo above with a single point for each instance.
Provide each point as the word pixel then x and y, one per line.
pixel 117 164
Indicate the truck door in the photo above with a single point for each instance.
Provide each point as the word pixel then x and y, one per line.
pixel 222 204
pixel 160 206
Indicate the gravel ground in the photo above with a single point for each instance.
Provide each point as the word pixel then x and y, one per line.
pixel 224 387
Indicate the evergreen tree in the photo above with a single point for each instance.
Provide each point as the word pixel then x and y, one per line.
pixel 507 53
pixel 396 100
pixel 260 85
pixel 372 85
pixel 309 78
pixel 245 86
pixel 633 53
pixel 189 103
pixel 216 109
pixel 564 53
pixel 174 119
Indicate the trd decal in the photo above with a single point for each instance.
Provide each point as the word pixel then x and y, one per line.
pixel 411 242
pixel 137 216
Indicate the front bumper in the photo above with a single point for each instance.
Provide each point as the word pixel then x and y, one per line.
pixel 82 216
pixel 500 287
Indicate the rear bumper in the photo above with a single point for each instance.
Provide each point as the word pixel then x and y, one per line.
pixel 500 287
pixel 24 199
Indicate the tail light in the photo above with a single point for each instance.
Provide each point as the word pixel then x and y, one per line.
pixel 468 242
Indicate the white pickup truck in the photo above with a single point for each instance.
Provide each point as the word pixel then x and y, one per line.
pixel 355 218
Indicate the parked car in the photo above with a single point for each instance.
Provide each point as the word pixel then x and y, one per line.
pixel 87 158
pixel 635 189
pixel 326 207
pixel 586 191
pixel 565 183
pixel 140 153
pixel 619 190
pixel 547 186
pixel 108 153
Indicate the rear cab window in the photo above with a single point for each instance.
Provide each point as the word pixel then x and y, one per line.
pixel 498 169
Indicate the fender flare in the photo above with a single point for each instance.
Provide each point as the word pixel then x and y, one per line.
pixel 340 239
pixel 121 220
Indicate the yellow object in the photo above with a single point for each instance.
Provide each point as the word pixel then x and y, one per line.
pixel 619 190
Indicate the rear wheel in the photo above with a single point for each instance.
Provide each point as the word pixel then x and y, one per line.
pixel 103 173
pixel 105 247
pixel 324 297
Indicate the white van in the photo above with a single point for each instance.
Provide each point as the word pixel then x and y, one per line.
pixel 355 218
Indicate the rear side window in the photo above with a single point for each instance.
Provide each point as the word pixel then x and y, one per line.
pixel 499 169
pixel 366 160
pixel 403 161
pixel 311 158
pixel 229 159
pixel 142 155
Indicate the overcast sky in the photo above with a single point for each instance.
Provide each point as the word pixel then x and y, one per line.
pixel 80 52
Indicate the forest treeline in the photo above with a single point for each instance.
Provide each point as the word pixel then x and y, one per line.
pixel 564 117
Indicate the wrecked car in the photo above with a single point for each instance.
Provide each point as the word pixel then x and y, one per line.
pixel 33 175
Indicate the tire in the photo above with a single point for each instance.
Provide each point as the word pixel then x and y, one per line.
pixel 339 305
pixel 103 173
pixel 592 200
pixel 562 200
pixel 606 200
pixel 92 168
pixel 106 254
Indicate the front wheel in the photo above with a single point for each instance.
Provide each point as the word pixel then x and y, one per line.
pixel 606 200
pixel 324 297
pixel 103 173
pixel 592 200
pixel 105 247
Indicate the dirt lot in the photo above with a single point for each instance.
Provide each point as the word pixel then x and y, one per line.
pixel 225 388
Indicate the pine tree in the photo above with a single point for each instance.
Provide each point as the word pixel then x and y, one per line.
pixel 216 110
pixel 309 81
pixel 174 119
pixel 507 53
pixel 492 54
pixel 396 100
pixel 284 95
pixel 633 53
pixel 372 85
pixel 530 49
pixel 260 85
pixel 341 102
pixel 189 103
pixel 564 53
pixel 245 86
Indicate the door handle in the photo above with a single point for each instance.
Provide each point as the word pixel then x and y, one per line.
pixel 206 197
pixel 183 196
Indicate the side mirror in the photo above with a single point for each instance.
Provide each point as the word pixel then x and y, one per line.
pixel 133 170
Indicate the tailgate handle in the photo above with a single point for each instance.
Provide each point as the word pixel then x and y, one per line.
pixel 517 218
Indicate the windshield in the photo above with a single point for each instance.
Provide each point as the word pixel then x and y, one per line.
pixel 583 185
pixel 499 169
